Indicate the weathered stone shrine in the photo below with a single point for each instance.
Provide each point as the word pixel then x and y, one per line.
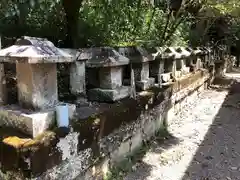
pixel 101 134
pixel 139 60
pixel 196 60
pixel 105 74
pixel 171 71
pixel 182 63
pixel 36 73
pixel 157 66
pixel 77 73
pixel 206 56
pixel 36 70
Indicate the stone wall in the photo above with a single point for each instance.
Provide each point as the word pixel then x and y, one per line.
pixel 107 137
pixel 106 124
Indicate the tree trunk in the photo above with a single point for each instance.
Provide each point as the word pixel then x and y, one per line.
pixel 72 16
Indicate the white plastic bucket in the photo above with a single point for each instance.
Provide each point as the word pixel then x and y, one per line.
pixel 62 115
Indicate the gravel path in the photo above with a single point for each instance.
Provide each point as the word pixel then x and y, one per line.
pixel 205 143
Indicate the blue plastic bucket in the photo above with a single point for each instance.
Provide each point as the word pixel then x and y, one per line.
pixel 62 115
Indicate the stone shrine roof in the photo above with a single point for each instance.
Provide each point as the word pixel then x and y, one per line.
pixel 170 52
pixel 136 54
pixel 206 50
pixel 197 51
pixel 183 51
pixel 34 50
pixel 155 52
pixel 102 57
pixel 189 49
pixel 74 52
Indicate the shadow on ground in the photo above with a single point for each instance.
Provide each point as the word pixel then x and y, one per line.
pixel 218 156
pixel 163 140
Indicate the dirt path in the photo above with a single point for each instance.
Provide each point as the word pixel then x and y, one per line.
pixel 208 142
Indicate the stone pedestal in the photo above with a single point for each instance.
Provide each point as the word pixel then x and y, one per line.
pixel 109 95
pixel 110 85
pixel 30 122
pixel 110 77
pixel 141 74
pixel 199 63
pixel 176 71
pixel 166 77
pixel 105 75
pixel 37 85
pixel 184 69
pixel 77 78
pixel 139 59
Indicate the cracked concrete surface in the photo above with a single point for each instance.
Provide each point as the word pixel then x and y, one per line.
pixel 208 130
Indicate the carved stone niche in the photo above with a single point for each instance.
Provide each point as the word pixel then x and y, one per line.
pixel 105 74
pixel 139 60
pixel 171 71
pixel 182 63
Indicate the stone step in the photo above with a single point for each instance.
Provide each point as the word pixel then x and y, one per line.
pixel 31 122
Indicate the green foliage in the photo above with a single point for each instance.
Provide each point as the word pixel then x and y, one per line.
pixel 43 19
pixel 231 7
pixel 217 23
pixel 113 23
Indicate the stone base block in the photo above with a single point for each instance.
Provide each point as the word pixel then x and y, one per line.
pixel 109 95
pixel 166 77
pixel 199 64
pixel 30 122
pixel 146 84
pixel 178 74
pixel 185 70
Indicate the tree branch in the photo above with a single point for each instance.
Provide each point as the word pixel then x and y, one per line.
pixel 173 29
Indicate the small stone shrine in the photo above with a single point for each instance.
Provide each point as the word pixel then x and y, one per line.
pixel 157 66
pixel 205 56
pixel 105 74
pixel 182 63
pixel 35 60
pixel 77 73
pixel 171 71
pixel 197 61
pixel 139 59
